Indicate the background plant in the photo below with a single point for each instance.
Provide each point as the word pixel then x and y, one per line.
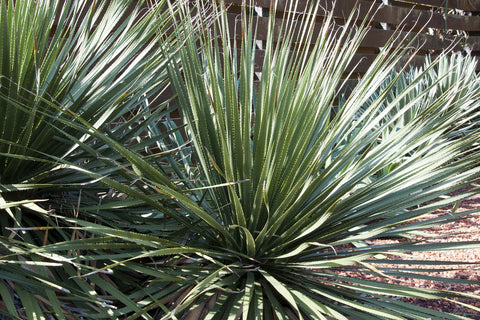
pixel 451 71
pixel 62 64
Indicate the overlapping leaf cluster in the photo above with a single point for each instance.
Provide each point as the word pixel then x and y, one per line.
pixel 69 71
pixel 263 204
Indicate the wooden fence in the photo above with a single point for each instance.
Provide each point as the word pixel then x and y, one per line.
pixel 441 24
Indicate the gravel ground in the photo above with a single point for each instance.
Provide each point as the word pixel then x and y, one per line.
pixel 464 230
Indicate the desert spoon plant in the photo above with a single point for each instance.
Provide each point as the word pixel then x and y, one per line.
pixel 291 188
pixel 264 206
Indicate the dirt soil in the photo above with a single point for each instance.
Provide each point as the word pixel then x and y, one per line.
pixel 463 230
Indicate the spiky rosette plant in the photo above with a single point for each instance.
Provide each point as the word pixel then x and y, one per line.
pixel 93 58
pixel 277 207
pixel 61 61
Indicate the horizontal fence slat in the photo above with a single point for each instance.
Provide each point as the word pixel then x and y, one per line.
pixel 378 38
pixel 466 5
pixel 359 64
pixel 395 15
pixel 409 17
